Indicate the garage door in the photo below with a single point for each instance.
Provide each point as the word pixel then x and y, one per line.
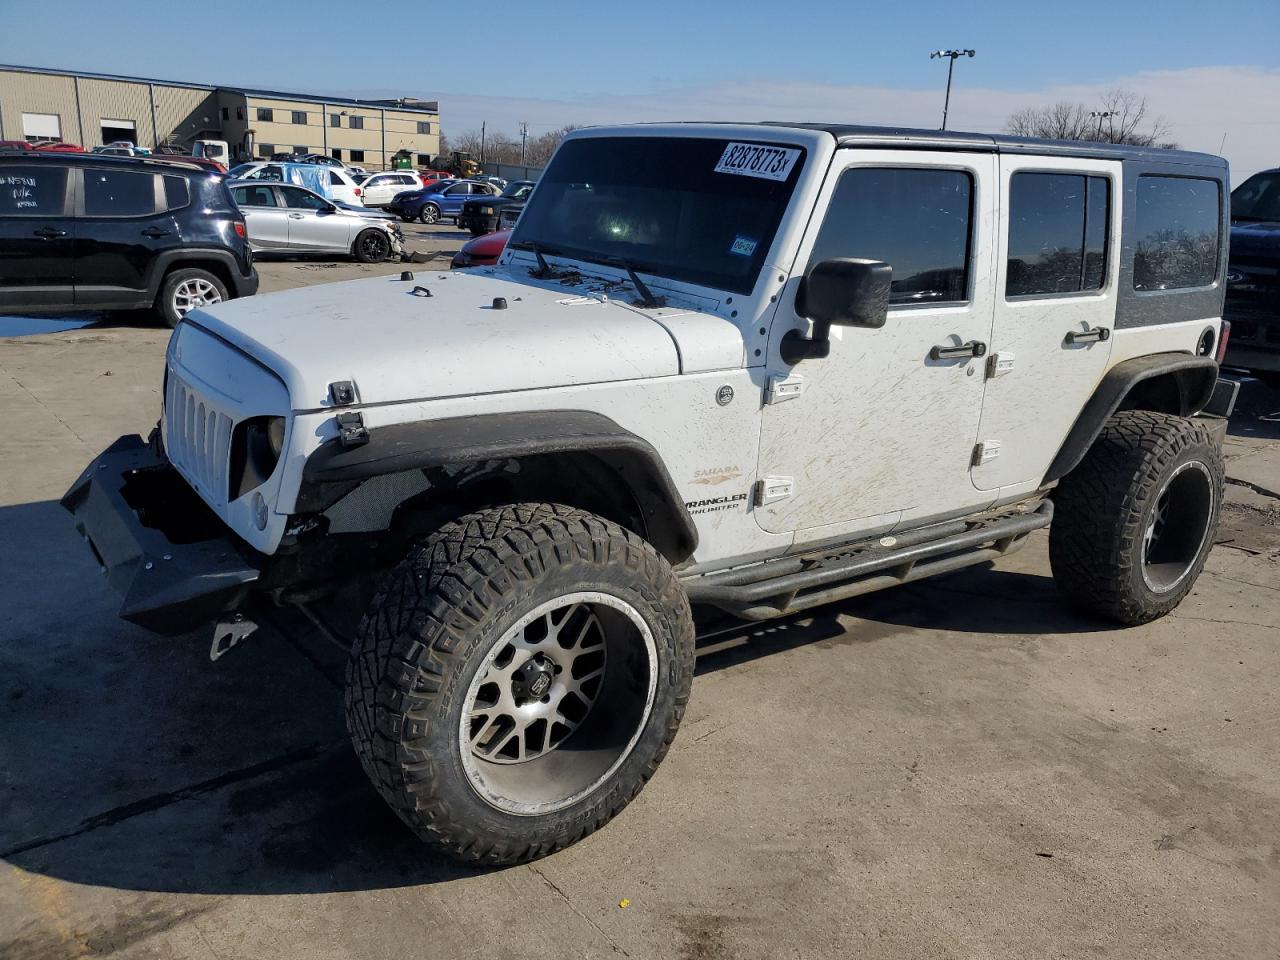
pixel 118 130
pixel 41 126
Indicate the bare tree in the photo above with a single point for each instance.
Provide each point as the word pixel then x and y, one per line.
pixel 499 147
pixel 1124 119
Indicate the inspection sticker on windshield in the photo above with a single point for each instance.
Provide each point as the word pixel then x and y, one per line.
pixel 743 246
pixel 755 160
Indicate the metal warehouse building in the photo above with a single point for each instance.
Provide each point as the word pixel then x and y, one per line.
pixel 93 108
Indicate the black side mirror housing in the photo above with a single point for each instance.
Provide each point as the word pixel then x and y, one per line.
pixel 845 292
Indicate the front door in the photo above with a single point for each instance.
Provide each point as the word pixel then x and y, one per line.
pixel 313 223
pixel 881 432
pixel 37 235
pixel 1055 301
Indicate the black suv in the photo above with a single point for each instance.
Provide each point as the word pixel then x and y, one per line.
pixel 90 232
pixel 1253 278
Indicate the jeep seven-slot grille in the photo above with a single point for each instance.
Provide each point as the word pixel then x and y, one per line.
pixel 197 439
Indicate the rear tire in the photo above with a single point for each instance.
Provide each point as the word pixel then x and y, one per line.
pixel 462 687
pixel 429 213
pixel 185 289
pixel 1135 521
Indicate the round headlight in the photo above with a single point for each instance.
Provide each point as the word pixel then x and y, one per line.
pixel 275 434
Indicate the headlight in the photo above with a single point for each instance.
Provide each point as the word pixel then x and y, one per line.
pixel 256 445
pixel 487 211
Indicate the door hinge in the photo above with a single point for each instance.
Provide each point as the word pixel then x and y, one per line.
pixel 985 452
pixel 352 431
pixel 772 489
pixel 998 364
pixel 783 388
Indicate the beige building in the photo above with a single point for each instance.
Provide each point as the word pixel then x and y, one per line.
pixel 92 109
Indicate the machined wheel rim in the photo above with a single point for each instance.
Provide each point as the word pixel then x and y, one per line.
pixel 430 214
pixel 193 293
pixel 1177 526
pixel 374 246
pixel 558 703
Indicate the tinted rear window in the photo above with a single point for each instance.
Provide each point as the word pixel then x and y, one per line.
pixel 118 193
pixel 1057 233
pixel 1176 243
pixel 32 191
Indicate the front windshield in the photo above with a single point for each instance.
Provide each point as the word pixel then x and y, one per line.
pixel 517 190
pixel 699 210
pixel 1258 198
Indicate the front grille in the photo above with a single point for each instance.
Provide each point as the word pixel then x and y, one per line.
pixel 197 439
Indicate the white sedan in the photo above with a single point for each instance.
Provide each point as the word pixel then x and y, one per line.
pixel 284 218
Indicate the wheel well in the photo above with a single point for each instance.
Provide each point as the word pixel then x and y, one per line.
pixel 216 267
pixel 1166 393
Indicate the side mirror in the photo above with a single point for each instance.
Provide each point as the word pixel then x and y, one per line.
pixel 843 291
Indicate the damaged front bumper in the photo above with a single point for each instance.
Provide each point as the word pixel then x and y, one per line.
pixel 176 565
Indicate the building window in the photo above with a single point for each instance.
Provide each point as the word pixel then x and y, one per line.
pixel 355 123
pixel 357 156
pixel 266 150
pixel 300 117
pixel 1176 233
pixel 335 119
pixel 424 159
pixel 424 126
pixel 297 149
pixel 917 221
pixel 1057 233
pixel 265 114
pixel 226 114
pixel 239 113
pixel 336 153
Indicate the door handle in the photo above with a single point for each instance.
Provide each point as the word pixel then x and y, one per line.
pixel 971 348
pixel 1092 335
pixel 295 216
pixel 154 232
pixel 48 233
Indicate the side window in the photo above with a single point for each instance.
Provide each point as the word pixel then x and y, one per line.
pixel 176 193
pixel 336 179
pixel 1176 233
pixel 916 220
pixel 254 197
pixel 378 181
pixel 458 188
pixel 1057 233
pixel 296 198
pixel 118 193
pixel 36 191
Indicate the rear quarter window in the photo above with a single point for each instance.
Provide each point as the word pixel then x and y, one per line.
pixel 33 191
pixel 1176 233
pixel 176 193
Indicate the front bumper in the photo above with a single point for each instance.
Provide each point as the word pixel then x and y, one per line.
pixel 176 565
pixel 475 221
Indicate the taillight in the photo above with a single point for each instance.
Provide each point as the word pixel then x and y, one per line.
pixel 1223 337
pixel 357 191
pixel 238 226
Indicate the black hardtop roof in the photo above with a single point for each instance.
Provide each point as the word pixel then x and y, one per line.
pixel 167 161
pixel 855 135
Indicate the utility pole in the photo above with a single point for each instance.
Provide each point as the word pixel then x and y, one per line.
pixel 951 56
pixel 482 124
pixel 1101 115
pixel 524 138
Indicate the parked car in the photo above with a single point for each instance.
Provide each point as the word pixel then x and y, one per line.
pixel 342 186
pixel 1253 278
pixel 285 218
pixel 113 151
pixel 93 232
pixel 381 188
pixel 481 216
pixel 357 171
pixel 59 146
pixel 444 198
pixel 430 176
pixel 482 251
pixel 21 146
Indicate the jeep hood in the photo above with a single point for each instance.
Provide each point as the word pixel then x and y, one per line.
pixel 396 346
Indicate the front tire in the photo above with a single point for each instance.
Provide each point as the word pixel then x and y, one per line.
pixel 372 246
pixel 1135 521
pixel 186 289
pixel 518 679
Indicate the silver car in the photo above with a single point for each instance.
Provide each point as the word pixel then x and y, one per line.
pixel 285 218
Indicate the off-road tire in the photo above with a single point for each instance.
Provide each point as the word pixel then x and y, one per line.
pixel 371 246
pixel 427 633
pixel 166 299
pixel 1104 507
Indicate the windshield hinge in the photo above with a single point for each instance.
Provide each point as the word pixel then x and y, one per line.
pixel 352 431
pixel 772 489
pixel 783 387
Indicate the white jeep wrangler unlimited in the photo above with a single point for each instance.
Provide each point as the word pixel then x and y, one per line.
pixel 820 361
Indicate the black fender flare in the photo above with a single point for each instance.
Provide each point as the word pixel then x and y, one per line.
pixel 1194 375
pixel 511 436
pixel 166 260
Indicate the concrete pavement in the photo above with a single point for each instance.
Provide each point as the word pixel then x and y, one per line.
pixel 960 768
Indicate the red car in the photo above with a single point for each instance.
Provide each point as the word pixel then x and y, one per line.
pixel 482 251
pixel 15 145
pixel 428 176
pixel 58 146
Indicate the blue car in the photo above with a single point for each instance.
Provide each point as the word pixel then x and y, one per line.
pixel 444 198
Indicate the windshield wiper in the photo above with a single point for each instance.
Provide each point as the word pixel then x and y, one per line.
pixel 545 271
pixel 647 299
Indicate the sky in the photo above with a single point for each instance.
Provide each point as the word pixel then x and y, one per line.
pixel 1212 71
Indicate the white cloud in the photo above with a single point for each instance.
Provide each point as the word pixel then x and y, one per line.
pixel 1200 104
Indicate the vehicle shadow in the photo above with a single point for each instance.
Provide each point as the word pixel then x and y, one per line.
pixel 1257 412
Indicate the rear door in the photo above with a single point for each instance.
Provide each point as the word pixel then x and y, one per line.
pixel 313 223
pixel 122 225
pixel 265 219
pixel 1055 301
pixel 381 188
pixel 37 235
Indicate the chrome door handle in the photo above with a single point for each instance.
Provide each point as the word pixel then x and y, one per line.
pixel 1092 335
pixel 971 348
pixel 295 216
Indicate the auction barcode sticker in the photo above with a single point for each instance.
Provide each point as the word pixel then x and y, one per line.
pixel 756 160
